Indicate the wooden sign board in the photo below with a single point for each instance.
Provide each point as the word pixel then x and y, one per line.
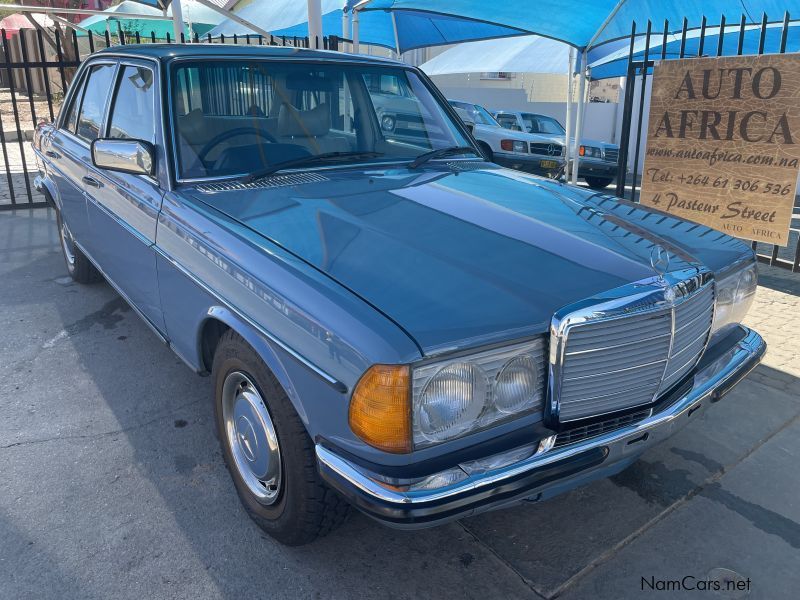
pixel 723 143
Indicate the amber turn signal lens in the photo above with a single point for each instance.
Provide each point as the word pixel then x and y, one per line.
pixel 582 150
pixel 380 411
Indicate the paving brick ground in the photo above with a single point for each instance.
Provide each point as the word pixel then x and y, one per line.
pixel 112 484
pixel 776 315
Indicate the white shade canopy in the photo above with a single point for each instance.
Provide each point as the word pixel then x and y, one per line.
pixel 524 54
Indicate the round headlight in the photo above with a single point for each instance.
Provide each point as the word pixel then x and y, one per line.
pixel 451 401
pixel 748 281
pixel 387 122
pixel 515 388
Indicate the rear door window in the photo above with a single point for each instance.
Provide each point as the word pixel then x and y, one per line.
pixel 94 102
pixel 71 118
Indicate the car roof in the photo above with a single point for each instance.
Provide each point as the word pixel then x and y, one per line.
pixel 165 52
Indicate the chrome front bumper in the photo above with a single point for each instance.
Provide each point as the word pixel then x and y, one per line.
pixel 549 473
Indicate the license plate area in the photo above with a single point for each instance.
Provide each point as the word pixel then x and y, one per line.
pixel 548 164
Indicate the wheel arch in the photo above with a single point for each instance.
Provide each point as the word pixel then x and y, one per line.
pixel 219 320
pixel 50 192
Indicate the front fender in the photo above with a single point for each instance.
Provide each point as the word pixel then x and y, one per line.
pixel 261 345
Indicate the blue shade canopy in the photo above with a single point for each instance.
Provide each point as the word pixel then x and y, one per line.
pixel 201 18
pixel 520 54
pixel 577 22
pixel 281 17
pixel 194 12
pixel 604 25
pixel 290 18
pixel 130 25
pixel 611 60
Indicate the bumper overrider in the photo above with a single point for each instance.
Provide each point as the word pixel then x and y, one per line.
pixel 548 473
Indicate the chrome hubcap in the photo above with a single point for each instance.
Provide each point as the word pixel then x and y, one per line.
pixel 251 437
pixel 66 244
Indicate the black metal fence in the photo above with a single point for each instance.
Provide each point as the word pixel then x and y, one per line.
pixel 36 68
pixel 635 93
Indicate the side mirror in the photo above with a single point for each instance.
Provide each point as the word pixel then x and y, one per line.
pixel 127 156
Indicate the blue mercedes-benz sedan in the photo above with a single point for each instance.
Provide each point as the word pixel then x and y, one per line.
pixel 390 321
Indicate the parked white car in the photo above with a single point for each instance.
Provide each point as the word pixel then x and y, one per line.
pixel 538 154
pixel 464 116
pixel 598 160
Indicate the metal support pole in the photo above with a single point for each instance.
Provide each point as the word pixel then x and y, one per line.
pixel 579 119
pixel 355 31
pixel 177 20
pixel 568 120
pixel 396 38
pixel 345 28
pixel 314 23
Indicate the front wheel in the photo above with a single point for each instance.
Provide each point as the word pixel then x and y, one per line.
pixel 267 450
pixel 598 183
pixel 78 266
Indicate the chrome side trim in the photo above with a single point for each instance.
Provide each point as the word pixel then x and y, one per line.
pixel 338 385
pixel 731 365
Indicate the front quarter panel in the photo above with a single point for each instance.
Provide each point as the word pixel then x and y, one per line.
pixel 316 336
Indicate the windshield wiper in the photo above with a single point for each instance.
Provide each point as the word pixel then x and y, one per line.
pixel 306 160
pixel 423 158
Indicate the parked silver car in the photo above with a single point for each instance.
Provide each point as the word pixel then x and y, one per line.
pixel 598 160
pixel 537 154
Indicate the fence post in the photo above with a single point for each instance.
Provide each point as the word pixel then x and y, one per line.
pixel 627 115
pixel 20 142
pixel 9 179
pixel 640 116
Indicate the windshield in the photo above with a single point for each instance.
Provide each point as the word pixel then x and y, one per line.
pixel 476 112
pixel 238 117
pixel 542 124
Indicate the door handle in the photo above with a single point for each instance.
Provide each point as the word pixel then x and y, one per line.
pixel 52 154
pixel 91 182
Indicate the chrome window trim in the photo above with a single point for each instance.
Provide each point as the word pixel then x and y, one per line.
pixel 650 295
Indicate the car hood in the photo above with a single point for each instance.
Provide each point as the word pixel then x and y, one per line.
pixel 463 253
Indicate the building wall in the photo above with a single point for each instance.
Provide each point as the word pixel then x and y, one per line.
pixel 536 87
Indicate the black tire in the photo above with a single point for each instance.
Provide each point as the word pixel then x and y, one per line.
pixel 79 267
pixel 487 151
pixel 598 183
pixel 305 508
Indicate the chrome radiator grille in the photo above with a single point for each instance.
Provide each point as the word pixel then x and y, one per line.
pixel 627 361
pixel 612 154
pixel 692 326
